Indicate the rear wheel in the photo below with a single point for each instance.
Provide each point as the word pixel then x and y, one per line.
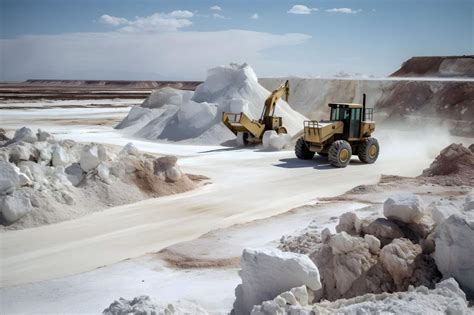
pixel 340 153
pixel 242 139
pixel 302 151
pixel 369 150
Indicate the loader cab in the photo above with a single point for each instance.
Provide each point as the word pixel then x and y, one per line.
pixel 351 115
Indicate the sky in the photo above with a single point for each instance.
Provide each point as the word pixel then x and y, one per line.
pixel 182 39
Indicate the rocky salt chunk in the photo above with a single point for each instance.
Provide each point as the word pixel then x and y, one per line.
pixel 398 258
pixel 408 208
pixel 167 164
pixel 104 173
pixel 13 207
pixel 174 173
pixel 130 149
pixel 268 272
pixel 349 223
pixel 383 229
pixel 164 163
pixel 9 179
pixel 43 135
pixel 20 152
pixel 89 158
pixel 469 202
pixel 374 243
pixel 286 303
pixel 442 211
pixel 25 134
pixel 60 157
pixel 74 173
pixel 349 259
pixel 24 179
pixel 45 155
pixel 454 248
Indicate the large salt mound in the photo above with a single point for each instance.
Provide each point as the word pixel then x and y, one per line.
pixel 46 181
pixel 175 115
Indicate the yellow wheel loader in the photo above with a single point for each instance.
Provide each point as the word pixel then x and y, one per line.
pixel 348 132
pixel 249 130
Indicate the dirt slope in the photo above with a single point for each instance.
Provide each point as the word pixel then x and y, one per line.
pixel 452 66
pixel 435 102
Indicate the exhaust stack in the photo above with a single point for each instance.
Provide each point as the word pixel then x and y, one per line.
pixel 363 107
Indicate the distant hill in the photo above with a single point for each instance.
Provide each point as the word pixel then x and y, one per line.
pixel 119 84
pixel 87 89
pixel 450 66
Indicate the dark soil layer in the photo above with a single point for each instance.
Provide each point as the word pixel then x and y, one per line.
pixel 452 66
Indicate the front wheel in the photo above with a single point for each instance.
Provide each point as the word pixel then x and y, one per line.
pixel 369 150
pixel 242 139
pixel 302 151
pixel 340 153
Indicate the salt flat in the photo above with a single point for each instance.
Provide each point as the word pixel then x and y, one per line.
pixel 247 184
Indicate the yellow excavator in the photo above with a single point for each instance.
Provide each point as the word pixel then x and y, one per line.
pixel 250 130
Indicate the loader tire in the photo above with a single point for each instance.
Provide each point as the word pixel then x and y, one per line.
pixel 302 151
pixel 242 139
pixel 369 150
pixel 340 153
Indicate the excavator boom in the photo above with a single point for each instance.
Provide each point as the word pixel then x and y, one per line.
pixel 270 103
pixel 249 130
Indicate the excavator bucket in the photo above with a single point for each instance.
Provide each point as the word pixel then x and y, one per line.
pixel 239 122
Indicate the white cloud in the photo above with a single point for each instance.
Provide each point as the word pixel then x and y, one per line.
pixel 185 14
pixel 119 55
pixel 301 9
pixel 157 22
pixel 218 16
pixel 343 10
pixel 112 20
pixel 255 16
pixel 216 8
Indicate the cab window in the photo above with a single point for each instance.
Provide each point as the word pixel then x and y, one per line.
pixel 339 113
pixel 356 112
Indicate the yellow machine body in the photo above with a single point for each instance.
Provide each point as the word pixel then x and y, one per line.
pixel 348 132
pixel 240 123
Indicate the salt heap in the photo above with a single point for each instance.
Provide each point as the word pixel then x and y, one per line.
pixel 45 180
pixel 195 117
pixel 146 305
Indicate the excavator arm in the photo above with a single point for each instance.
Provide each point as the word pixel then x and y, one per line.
pixel 271 101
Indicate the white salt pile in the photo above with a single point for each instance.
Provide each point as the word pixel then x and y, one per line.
pixel 146 305
pixel 44 180
pixel 195 117
pixel 445 298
